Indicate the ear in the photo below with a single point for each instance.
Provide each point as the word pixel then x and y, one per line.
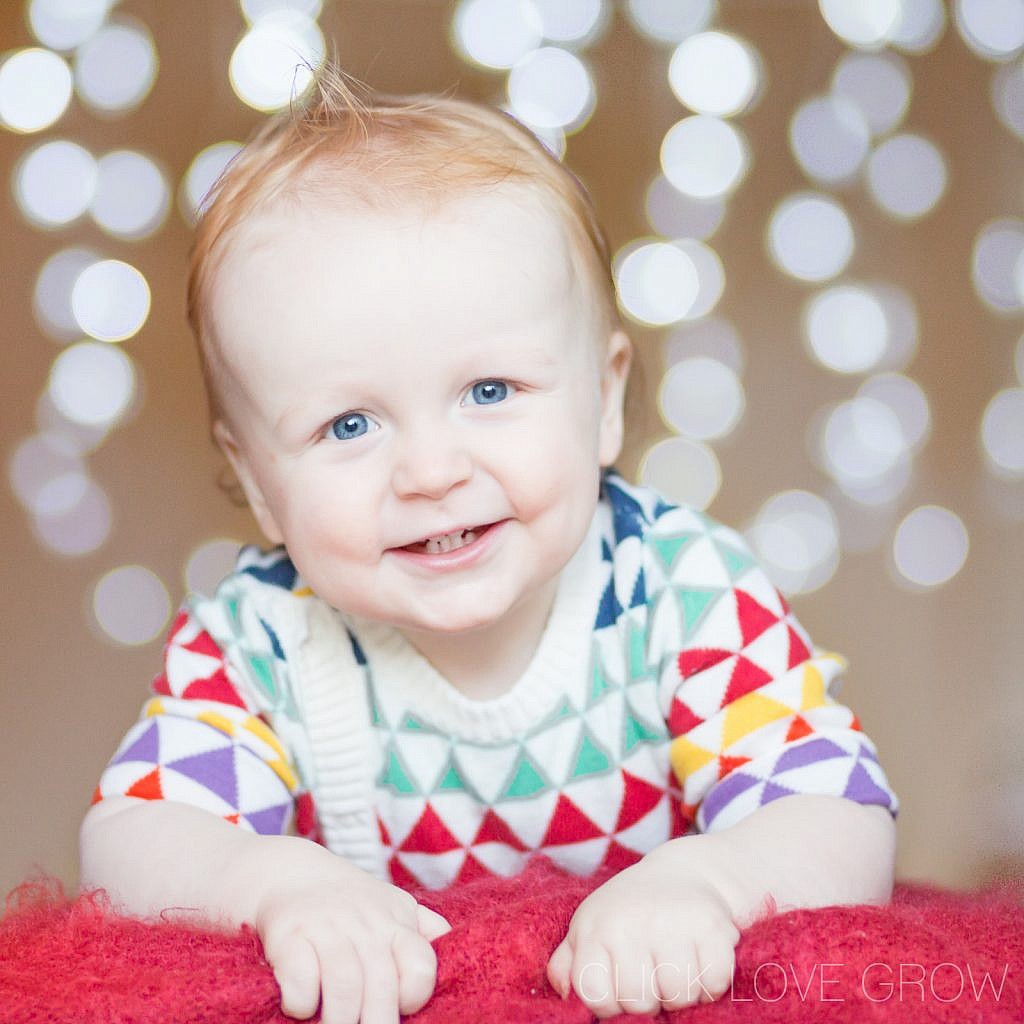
pixel 614 374
pixel 253 493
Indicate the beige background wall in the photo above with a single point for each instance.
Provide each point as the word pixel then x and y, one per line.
pixel 935 677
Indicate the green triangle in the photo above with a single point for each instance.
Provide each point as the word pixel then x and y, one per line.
pixel 668 547
pixel 412 724
pixel 590 759
pixel 263 673
pixel 636 732
pixel 233 609
pixel 375 717
pixel 637 652
pixel 526 781
pixel 452 779
pixel 598 685
pixel 695 603
pixel 395 777
pixel 735 561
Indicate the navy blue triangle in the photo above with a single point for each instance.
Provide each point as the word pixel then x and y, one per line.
pixel 275 644
pixel 356 649
pixel 609 610
pixel 628 515
pixel 279 574
pixel 639 595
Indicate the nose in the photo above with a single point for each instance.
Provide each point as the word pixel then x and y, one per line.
pixel 432 459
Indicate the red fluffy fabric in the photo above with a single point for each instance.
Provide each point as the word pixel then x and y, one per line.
pixel 930 955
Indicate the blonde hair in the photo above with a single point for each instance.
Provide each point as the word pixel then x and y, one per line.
pixel 386 150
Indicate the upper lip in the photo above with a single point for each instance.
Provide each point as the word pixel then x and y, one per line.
pixel 444 533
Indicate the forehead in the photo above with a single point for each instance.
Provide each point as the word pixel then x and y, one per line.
pixel 310 267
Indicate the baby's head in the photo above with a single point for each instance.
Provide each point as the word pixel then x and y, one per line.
pixel 407 326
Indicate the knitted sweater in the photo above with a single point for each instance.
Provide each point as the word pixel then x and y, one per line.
pixel 672 691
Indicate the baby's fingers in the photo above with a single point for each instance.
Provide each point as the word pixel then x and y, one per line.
pixel 343 983
pixel 416 964
pixel 431 925
pixel 297 972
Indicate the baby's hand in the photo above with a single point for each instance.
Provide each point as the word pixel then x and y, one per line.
pixel 334 933
pixel 650 938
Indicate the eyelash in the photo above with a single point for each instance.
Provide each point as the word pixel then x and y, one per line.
pixel 326 432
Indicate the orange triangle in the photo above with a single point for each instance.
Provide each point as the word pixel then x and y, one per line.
pixel 726 764
pixel 97 796
pixel 496 830
pixel 798 728
pixel 569 825
pixel 430 835
pixel 148 787
pixel 855 724
pixel 233 818
pixel 638 799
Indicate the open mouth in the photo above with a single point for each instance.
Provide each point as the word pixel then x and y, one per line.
pixel 450 542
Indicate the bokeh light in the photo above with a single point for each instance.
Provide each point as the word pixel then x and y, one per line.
pixel 51 299
pixel 846 329
pixel 670 21
pixel 1018 359
pixel 906 176
pixel 131 605
pixel 862 446
pixel 496 33
pixel 830 138
pixel 1002 432
pixel 930 546
pixel 63 25
pixel 907 399
pixel 710 276
pixel 80 437
pixel 714 73
pixel 116 67
pixel 686 471
pixel 657 282
pixel 271 63
pixel 993 29
pixel 253 10
pixel 579 23
pixel 40 459
pixel 551 88
pixel 81 528
pixel 110 300
pixel 132 196
pixel 1008 95
pixel 796 537
pixel 861 23
pixel 676 215
pixel 997 250
pixel 701 398
pixel 202 174
pixel 704 157
pixel 901 316
pixel 35 89
pixel 92 383
pixel 920 25
pixel 810 236
pixel 209 563
pixel 713 337
pixel 54 183
pixel 878 84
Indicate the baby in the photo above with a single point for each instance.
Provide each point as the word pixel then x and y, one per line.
pixel 472 638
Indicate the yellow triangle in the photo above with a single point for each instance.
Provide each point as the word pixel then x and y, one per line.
pixel 303 592
pixel 813 691
pixel 687 757
pixel 225 725
pixel 154 707
pixel 260 728
pixel 748 713
pixel 285 774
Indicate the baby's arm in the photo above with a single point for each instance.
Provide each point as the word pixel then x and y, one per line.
pixel 325 924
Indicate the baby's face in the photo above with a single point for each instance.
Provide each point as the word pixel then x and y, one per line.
pixel 396 376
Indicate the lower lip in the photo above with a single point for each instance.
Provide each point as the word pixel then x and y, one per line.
pixel 459 559
pixel 466 555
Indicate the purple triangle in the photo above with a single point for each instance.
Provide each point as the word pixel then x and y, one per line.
pixel 862 788
pixel 772 791
pixel 819 749
pixel 730 787
pixel 146 748
pixel 866 751
pixel 269 821
pixel 214 769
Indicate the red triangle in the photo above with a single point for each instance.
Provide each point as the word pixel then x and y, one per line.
pixel 401 875
pixel 233 818
pixel 639 798
pixel 214 687
pixel 569 825
pixel 855 724
pixel 746 676
pixel 797 729
pixel 496 830
pixel 618 857
pixel 754 618
pixel 782 602
pixel 681 718
pixel 726 764
pixel 148 787
pixel 204 644
pixel 305 814
pixel 798 652
pixel 385 838
pixel 176 626
pixel 696 660
pixel 472 869
pixel 682 817
pixel 161 686
pixel 430 835
pixel 97 796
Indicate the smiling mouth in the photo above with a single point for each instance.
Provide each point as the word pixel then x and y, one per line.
pixel 450 542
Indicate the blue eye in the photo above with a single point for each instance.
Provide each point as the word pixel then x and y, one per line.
pixel 352 424
pixel 490 392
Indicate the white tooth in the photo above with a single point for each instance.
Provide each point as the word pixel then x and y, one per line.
pixel 450 542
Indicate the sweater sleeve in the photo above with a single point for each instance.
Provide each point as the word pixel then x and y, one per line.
pixel 751 705
pixel 203 738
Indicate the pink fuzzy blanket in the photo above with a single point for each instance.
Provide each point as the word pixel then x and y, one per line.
pixel 931 955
